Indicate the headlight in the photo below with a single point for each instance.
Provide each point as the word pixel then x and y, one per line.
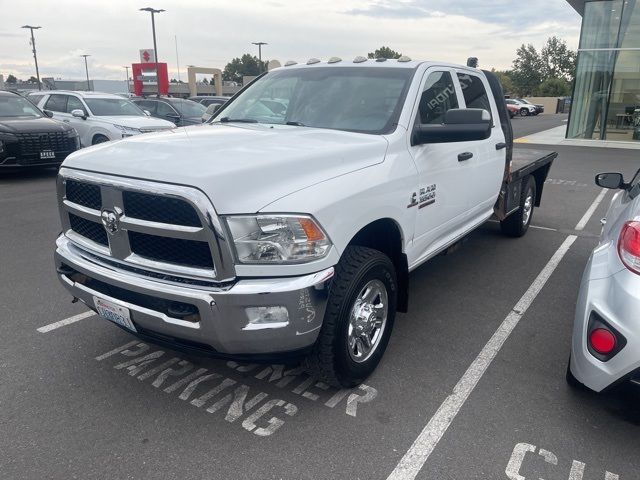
pixel 277 238
pixel 128 131
pixel 74 134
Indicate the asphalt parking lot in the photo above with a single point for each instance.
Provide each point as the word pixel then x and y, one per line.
pixel 86 400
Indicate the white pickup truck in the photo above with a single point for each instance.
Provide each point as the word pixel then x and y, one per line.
pixel 287 225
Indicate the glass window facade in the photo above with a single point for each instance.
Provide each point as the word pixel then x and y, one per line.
pixel 606 96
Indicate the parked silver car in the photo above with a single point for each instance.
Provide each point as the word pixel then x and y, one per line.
pixel 605 349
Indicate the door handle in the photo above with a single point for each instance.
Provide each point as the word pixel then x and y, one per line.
pixel 465 156
pixel 501 145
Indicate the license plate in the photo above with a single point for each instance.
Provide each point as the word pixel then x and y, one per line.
pixel 114 313
pixel 47 155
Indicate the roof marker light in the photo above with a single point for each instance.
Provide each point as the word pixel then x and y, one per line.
pixel 359 59
pixel 312 61
pixel 290 62
pixel 404 59
pixel 334 60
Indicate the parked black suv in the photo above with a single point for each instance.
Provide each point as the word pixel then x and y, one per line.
pixel 28 137
pixel 177 110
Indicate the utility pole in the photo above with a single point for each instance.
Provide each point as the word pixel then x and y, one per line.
pixel 153 11
pixel 86 69
pixel 127 78
pixel 260 44
pixel 35 57
pixel 177 57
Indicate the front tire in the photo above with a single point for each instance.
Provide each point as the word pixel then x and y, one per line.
pixel 524 112
pixel 99 139
pixel 358 321
pixel 517 224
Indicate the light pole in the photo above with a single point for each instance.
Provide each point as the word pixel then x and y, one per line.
pixel 153 11
pixel 35 57
pixel 86 69
pixel 127 78
pixel 260 44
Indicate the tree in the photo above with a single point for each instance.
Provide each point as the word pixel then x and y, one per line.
pixel 554 87
pixel 247 65
pixel 384 52
pixel 558 60
pixel 528 70
pixel 205 81
pixel 505 80
pixel 11 79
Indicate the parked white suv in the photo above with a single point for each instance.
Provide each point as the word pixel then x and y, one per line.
pixel 526 109
pixel 98 117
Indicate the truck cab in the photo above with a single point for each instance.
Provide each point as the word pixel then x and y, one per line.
pixel 288 224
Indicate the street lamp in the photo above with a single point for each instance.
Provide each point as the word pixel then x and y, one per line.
pixel 126 67
pixel 86 69
pixel 153 11
pixel 35 57
pixel 259 44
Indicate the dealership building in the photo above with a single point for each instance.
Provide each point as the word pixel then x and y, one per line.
pixel 606 94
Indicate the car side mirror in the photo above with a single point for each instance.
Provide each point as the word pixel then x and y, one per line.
pixel 79 114
pixel 173 117
pixel 147 113
pixel 460 125
pixel 614 181
pixel 48 113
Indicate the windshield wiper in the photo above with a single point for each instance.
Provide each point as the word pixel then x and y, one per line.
pixel 238 120
pixel 295 124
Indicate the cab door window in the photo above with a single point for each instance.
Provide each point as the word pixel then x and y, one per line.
pixel 438 96
pixel 74 103
pixel 164 109
pixel 475 95
pixel 57 103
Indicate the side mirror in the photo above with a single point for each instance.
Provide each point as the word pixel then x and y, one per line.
pixel 48 113
pixel 79 114
pixel 173 117
pixel 460 125
pixel 613 181
pixel 147 113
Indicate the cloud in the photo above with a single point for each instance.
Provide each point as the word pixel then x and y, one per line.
pixel 210 33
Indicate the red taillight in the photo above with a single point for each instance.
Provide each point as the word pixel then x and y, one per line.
pixel 629 246
pixel 602 341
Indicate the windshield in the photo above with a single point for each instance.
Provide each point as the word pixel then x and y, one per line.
pixel 359 99
pixel 522 100
pixel 15 106
pixel 103 107
pixel 188 108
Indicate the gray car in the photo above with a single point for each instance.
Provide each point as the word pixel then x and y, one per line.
pixel 605 348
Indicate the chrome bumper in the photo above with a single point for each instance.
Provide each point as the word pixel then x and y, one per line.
pixel 223 321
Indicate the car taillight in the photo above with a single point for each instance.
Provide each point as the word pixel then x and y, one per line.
pixel 629 246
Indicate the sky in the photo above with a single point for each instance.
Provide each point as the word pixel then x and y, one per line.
pixel 210 33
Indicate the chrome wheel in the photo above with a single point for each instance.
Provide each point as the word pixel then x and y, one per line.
pixel 527 208
pixel 367 321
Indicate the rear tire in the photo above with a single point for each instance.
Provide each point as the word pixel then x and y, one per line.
pixel 99 139
pixel 364 290
pixel 517 224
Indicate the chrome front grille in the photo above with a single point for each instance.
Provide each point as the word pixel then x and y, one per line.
pixel 159 228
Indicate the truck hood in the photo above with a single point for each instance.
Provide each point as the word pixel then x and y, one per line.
pixel 241 167
pixel 134 121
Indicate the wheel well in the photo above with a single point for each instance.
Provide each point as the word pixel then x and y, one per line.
pixel 93 139
pixel 540 176
pixel 385 236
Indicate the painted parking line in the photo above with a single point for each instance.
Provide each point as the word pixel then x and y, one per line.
pixel 66 321
pixel 417 455
pixel 589 213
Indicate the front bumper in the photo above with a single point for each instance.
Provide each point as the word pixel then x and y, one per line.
pixel 617 300
pixel 222 325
